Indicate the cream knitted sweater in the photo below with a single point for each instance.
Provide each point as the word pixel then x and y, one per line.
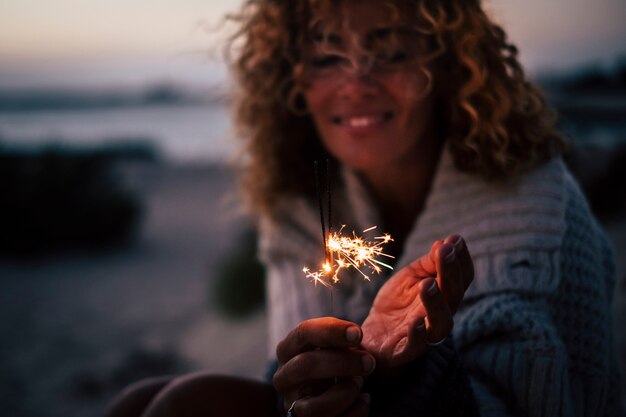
pixel 534 330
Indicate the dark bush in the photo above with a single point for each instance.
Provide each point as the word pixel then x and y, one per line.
pixel 239 286
pixel 601 174
pixel 58 198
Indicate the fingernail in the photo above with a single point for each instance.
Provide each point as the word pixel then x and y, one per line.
pixel 458 243
pixel 368 364
pixel 432 290
pixel 366 398
pixel 358 380
pixel 353 334
pixel 447 253
pixel 420 325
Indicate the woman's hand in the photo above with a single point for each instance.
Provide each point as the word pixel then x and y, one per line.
pixel 415 307
pixel 321 368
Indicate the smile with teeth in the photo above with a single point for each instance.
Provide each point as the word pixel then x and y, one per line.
pixel 362 121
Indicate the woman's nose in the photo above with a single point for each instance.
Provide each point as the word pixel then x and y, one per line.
pixel 359 65
pixel 358 85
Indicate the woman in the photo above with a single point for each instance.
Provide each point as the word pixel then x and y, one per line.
pixel 434 133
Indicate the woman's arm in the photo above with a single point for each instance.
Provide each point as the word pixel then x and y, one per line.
pixel 435 384
pixel 413 310
pixel 415 307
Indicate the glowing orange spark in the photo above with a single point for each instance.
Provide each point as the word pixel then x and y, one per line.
pixel 350 252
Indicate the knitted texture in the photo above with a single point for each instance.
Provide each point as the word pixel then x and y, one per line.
pixel 534 328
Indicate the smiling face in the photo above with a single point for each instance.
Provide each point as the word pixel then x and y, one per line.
pixel 365 88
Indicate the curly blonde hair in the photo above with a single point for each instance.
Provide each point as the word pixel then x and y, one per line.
pixel 496 123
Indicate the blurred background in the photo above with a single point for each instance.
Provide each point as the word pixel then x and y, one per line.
pixel 121 253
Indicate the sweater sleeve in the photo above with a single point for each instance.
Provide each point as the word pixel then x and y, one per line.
pixel 537 338
pixel 517 362
pixel 285 247
pixel 287 244
pixel 291 299
pixel 435 384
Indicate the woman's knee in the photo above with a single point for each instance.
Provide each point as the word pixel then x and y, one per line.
pixel 202 394
pixel 135 398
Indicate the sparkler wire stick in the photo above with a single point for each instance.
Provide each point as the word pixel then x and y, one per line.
pixel 328 195
pixel 329 259
pixel 319 200
pixel 341 251
pixel 330 227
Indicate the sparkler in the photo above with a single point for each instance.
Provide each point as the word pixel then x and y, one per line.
pixel 343 252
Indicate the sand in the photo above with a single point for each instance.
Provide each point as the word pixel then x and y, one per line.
pixel 78 326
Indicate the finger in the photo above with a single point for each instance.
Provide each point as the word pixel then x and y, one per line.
pixel 464 259
pixel 438 317
pixel 318 333
pixel 322 364
pixel 414 344
pixel 360 408
pixel 426 265
pixel 335 401
pixel 436 245
pixel 450 277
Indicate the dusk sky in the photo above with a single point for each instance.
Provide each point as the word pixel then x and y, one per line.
pixel 88 42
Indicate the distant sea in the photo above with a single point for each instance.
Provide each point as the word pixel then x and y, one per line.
pixel 182 127
pixel 186 128
pixel 182 133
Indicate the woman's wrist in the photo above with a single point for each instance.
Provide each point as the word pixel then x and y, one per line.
pixel 434 383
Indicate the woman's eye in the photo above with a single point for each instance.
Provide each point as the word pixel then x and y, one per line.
pixel 326 61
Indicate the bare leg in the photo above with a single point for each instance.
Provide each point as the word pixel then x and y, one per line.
pixel 206 395
pixel 133 400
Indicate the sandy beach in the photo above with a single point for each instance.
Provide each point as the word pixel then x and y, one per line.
pixel 77 327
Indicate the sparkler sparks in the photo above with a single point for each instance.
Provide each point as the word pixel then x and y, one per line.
pixel 345 252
